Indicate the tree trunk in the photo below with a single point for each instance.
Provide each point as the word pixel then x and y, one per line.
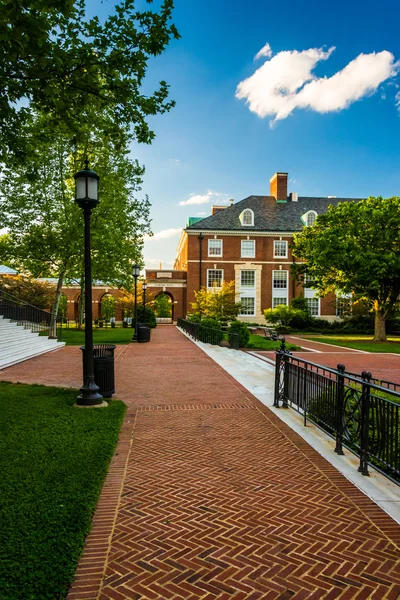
pixel 54 310
pixel 380 326
pixel 81 306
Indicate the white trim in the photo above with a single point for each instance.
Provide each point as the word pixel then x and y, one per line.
pixel 280 241
pixel 241 248
pixel 241 217
pixel 222 279
pixel 215 239
pixel 241 232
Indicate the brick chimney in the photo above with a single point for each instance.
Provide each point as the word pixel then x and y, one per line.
pixel 278 187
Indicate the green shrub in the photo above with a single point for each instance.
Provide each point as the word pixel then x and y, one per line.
pixel 113 324
pixel 146 315
pixel 193 317
pixel 242 330
pixel 210 322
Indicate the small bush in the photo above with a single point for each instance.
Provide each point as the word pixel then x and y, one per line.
pixel 146 315
pixel 193 317
pixel 113 324
pixel 242 330
pixel 209 322
pixel 282 329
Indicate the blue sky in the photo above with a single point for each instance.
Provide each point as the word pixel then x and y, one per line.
pixel 335 136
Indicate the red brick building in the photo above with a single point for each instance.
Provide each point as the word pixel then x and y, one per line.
pixel 247 242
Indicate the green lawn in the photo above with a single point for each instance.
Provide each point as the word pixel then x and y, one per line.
pixel 358 342
pixel 53 461
pixel 258 342
pixel 118 335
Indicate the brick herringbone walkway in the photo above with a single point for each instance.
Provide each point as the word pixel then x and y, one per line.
pixel 210 496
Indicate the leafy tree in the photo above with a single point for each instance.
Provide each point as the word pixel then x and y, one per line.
pixel 300 303
pixel 78 70
pixel 162 306
pixel 38 293
pixel 45 226
pixel 126 301
pixel 217 304
pixel 282 314
pixel 107 308
pixel 355 248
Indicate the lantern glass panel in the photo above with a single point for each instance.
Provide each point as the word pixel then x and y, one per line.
pixel 92 188
pixel 80 188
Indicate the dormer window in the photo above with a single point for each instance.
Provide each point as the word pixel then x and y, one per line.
pixel 310 218
pixel 247 217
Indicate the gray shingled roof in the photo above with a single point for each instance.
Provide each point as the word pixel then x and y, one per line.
pixel 269 215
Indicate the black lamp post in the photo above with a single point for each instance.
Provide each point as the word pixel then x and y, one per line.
pixel 135 273
pixel 144 288
pixel 87 198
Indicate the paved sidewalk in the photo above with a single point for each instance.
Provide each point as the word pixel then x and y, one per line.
pixel 210 496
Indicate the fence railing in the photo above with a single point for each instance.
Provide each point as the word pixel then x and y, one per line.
pixel 208 335
pixel 360 414
pixel 29 316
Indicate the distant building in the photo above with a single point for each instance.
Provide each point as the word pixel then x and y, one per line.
pixel 247 242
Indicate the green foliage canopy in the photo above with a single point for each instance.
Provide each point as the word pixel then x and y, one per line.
pixel 355 248
pixel 218 304
pixel 78 69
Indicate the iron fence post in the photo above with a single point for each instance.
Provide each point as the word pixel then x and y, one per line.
pixel 339 409
pixel 305 374
pixel 364 432
pixel 277 377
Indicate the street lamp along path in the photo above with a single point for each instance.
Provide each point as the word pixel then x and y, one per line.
pixel 87 198
pixel 135 273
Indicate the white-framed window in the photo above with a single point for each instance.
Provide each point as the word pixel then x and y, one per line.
pixel 310 218
pixel 214 247
pixel 248 306
pixel 343 305
pixel 278 301
pixel 215 278
pixel 313 306
pixel 280 279
pixel 247 217
pixel 280 249
pixel 248 249
pixel 247 278
pixel 308 281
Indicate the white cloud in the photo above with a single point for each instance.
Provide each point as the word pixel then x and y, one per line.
pixel 205 198
pixel 164 234
pixel 286 82
pixel 265 51
pixel 201 214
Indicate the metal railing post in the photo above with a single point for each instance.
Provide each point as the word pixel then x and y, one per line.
pixel 364 431
pixel 339 409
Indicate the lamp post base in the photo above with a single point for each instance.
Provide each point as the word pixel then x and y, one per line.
pixel 89 395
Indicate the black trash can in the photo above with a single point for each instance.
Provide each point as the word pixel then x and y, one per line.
pixel 143 333
pixel 103 362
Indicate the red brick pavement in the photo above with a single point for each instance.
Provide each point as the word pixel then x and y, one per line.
pixel 210 496
pixel 381 365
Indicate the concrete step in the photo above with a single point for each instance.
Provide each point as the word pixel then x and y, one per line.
pixel 17 358
pixel 27 346
pixel 18 344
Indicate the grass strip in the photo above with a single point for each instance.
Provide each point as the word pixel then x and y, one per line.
pixel 53 460
pixel 359 343
pixel 117 335
pixel 257 342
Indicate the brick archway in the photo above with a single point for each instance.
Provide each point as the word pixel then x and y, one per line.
pixel 172 283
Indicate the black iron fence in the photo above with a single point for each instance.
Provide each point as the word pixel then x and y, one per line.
pixel 360 412
pixel 30 317
pixel 208 335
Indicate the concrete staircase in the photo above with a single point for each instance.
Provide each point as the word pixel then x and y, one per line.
pixel 18 344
